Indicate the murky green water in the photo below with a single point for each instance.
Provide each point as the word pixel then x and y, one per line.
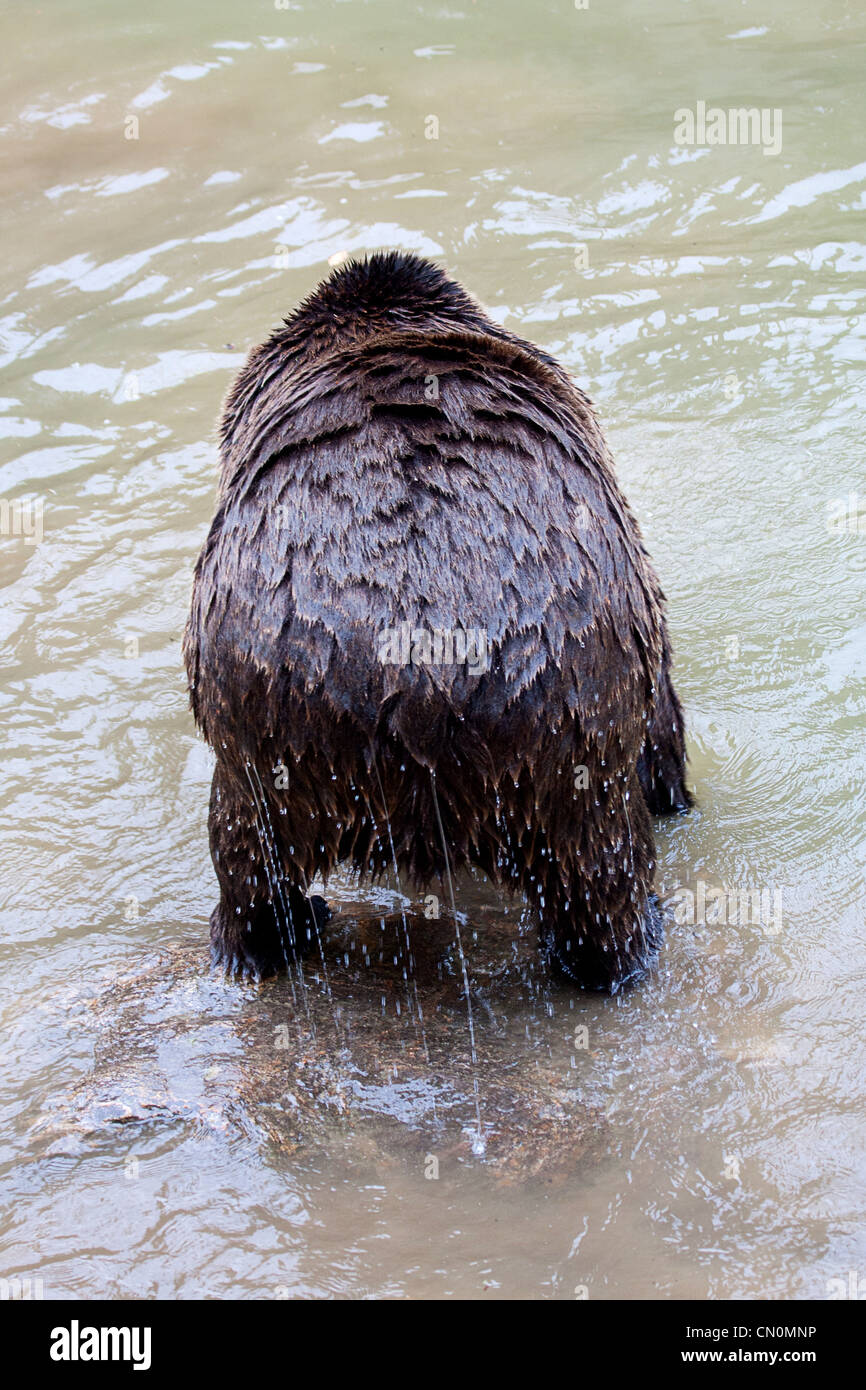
pixel 175 179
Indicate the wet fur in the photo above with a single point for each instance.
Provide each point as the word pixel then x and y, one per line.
pixel 349 502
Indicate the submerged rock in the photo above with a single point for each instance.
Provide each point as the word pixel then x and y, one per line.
pixel 365 1051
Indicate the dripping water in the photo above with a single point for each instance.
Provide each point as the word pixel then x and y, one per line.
pixel 410 963
pixel 478 1144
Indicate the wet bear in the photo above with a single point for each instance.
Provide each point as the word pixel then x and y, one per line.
pixel 425 632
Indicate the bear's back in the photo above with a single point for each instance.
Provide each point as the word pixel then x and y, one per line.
pixel 443 482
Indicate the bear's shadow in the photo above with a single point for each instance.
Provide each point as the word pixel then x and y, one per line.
pixel 364 1051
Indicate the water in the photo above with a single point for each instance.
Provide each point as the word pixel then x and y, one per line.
pixel 716 316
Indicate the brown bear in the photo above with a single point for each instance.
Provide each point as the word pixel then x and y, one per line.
pixel 425 632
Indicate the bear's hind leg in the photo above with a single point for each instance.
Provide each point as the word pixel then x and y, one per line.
pixel 262 923
pixel 590 947
pixel 600 920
